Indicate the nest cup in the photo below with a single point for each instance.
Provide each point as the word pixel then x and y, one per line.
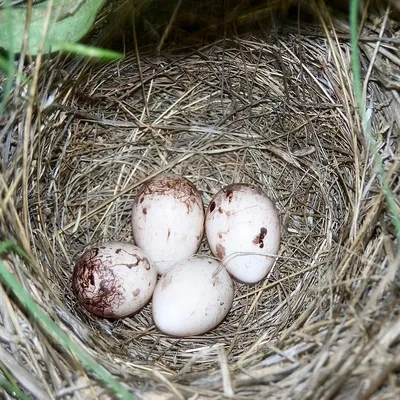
pixel 277 111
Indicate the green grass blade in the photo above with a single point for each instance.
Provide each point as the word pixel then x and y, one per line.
pixel 12 390
pixel 88 51
pixel 366 123
pixel 10 385
pixel 42 319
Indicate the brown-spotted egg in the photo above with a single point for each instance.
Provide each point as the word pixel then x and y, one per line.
pixel 168 220
pixel 114 279
pixel 243 231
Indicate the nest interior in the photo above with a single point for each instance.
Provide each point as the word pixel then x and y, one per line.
pixel 277 111
pixel 219 116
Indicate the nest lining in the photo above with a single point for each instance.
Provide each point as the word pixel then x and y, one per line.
pixel 235 112
pixel 272 112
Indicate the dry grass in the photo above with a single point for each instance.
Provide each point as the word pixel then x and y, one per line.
pixel 278 112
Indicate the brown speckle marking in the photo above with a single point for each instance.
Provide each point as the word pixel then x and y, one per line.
pixel 137 259
pixel 212 206
pixel 259 239
pixel 229 195
pixel 220 235
pixel 169 233
pixel 99 299
pixel 220 251
pixel 171 185
pixel 144 211
pixel 220 210
pixel 136 292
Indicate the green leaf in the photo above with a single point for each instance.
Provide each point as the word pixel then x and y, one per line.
pixel 69 21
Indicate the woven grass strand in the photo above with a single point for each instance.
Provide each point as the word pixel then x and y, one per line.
pixel 274 109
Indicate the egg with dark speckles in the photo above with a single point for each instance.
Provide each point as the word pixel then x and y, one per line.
pixel 192 297
pixel 114 279
pixel 168 220
pixel 243 231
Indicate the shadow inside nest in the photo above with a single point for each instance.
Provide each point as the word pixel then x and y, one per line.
pixel 266 112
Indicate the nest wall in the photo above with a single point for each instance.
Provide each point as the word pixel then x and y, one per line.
pixel 275 110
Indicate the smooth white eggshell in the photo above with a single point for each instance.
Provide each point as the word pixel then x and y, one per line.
pixel 192 297
pixel 114 279
pixel 243 231
pixel 168 220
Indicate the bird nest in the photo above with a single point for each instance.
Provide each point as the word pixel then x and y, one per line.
pixel 278 112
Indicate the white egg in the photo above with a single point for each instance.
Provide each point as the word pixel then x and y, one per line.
pixel 168 220
pixel 114 279
pixel 243 231
pixel 192 297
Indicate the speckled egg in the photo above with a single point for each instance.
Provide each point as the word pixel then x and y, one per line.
pixel 243 231
pixel 114 279
pixel 168 220
pixel 192 297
